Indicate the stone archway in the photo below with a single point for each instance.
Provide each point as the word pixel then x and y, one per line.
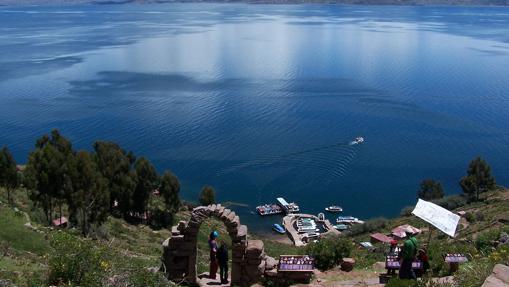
pixel 179 251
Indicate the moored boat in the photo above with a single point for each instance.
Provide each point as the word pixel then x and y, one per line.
pixel 269 209
pixel 278 228
pixel 334 208
pixel 341 227
pixel 348 220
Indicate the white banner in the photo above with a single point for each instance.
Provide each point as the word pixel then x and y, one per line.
pixel 438 216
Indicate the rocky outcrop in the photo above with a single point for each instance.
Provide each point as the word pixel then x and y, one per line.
pixel 249 261
pixel 498 278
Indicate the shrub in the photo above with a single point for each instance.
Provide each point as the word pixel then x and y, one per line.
pixel 76 262
pixel 479 216
pixel 438 249
pixel 485 241
pixel 452 202
pixel 396 282
pixel 406 211
pixel 470 217
pixel 473 273
pixel 329 251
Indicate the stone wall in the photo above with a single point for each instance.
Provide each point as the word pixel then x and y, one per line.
pixel 249 260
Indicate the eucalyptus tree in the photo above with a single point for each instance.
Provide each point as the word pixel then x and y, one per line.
pixel 8 172
pixel 207 195
pixel 169 188
pixel 430 189
pixel 146 183
pixel 116 167
pixel 90 197
pixel 478 179
pixel 49 172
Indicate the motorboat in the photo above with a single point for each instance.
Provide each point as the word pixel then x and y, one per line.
pixel 334 208
pixel 269 209
pixel 348 220
pixel 341 227
pixel 358 140
pixel 278 228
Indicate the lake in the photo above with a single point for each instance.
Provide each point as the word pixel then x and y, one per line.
pixel 262 101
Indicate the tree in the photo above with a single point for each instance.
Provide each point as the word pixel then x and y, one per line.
pixel 49 171
pixel 329 251
pixel 478 179
pixel 116 167
pixel 207 195
pixel 169 188
pixel 159 215
pixel 8 172
pixel 90 197
pixel 146 183
pixel 430 189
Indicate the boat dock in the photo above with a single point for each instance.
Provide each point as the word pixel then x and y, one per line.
pixel 288 207
pixel 292 222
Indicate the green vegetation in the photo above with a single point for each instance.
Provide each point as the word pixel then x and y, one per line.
pixel 8 172
pixel 478 179
pixel 207 195
pixel 430 189
pixel 371 225
pixel 92 185
pixel 329 251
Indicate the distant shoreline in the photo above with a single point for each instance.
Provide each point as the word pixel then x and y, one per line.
pixel 466 3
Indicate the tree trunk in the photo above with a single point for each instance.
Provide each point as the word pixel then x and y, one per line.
pixel 9 196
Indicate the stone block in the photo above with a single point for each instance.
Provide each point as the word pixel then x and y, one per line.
pixel 254 248
pixel 242 231
pixel 254 261
pixel 347 264
pixel 182 225
pixel 225 214
pixel 230 217
pixel 235 222
pixel 176 239
pixel 270 263
pixel 175 231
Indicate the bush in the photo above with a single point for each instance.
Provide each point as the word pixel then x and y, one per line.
pixel 371 225
pixel 473 273
pixel 452 202
pixel 485 241
pixel 470 217
pixel 329 251
pixel 76 262
pixel 406 211
pixel 438 249
pixel 396 282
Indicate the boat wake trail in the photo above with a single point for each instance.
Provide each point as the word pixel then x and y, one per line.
pixel 319 163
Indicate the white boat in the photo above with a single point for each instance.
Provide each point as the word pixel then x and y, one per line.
pixel 334 208
pixel 358 140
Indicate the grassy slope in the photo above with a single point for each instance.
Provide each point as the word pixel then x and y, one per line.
pixel 22 250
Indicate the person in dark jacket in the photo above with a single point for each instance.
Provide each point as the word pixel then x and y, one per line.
pixel 213 252
pixel 222 259
pixel 408 255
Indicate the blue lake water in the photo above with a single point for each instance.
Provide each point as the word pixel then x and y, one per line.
pixel 261 101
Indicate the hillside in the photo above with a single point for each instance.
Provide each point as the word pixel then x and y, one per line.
pixel 133 251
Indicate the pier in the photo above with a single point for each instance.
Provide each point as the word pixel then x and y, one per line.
pixel 290 221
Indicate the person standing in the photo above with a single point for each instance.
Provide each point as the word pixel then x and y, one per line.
pixel 423 257
pixel 222 258
pixel 213 254
pixel 407 258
